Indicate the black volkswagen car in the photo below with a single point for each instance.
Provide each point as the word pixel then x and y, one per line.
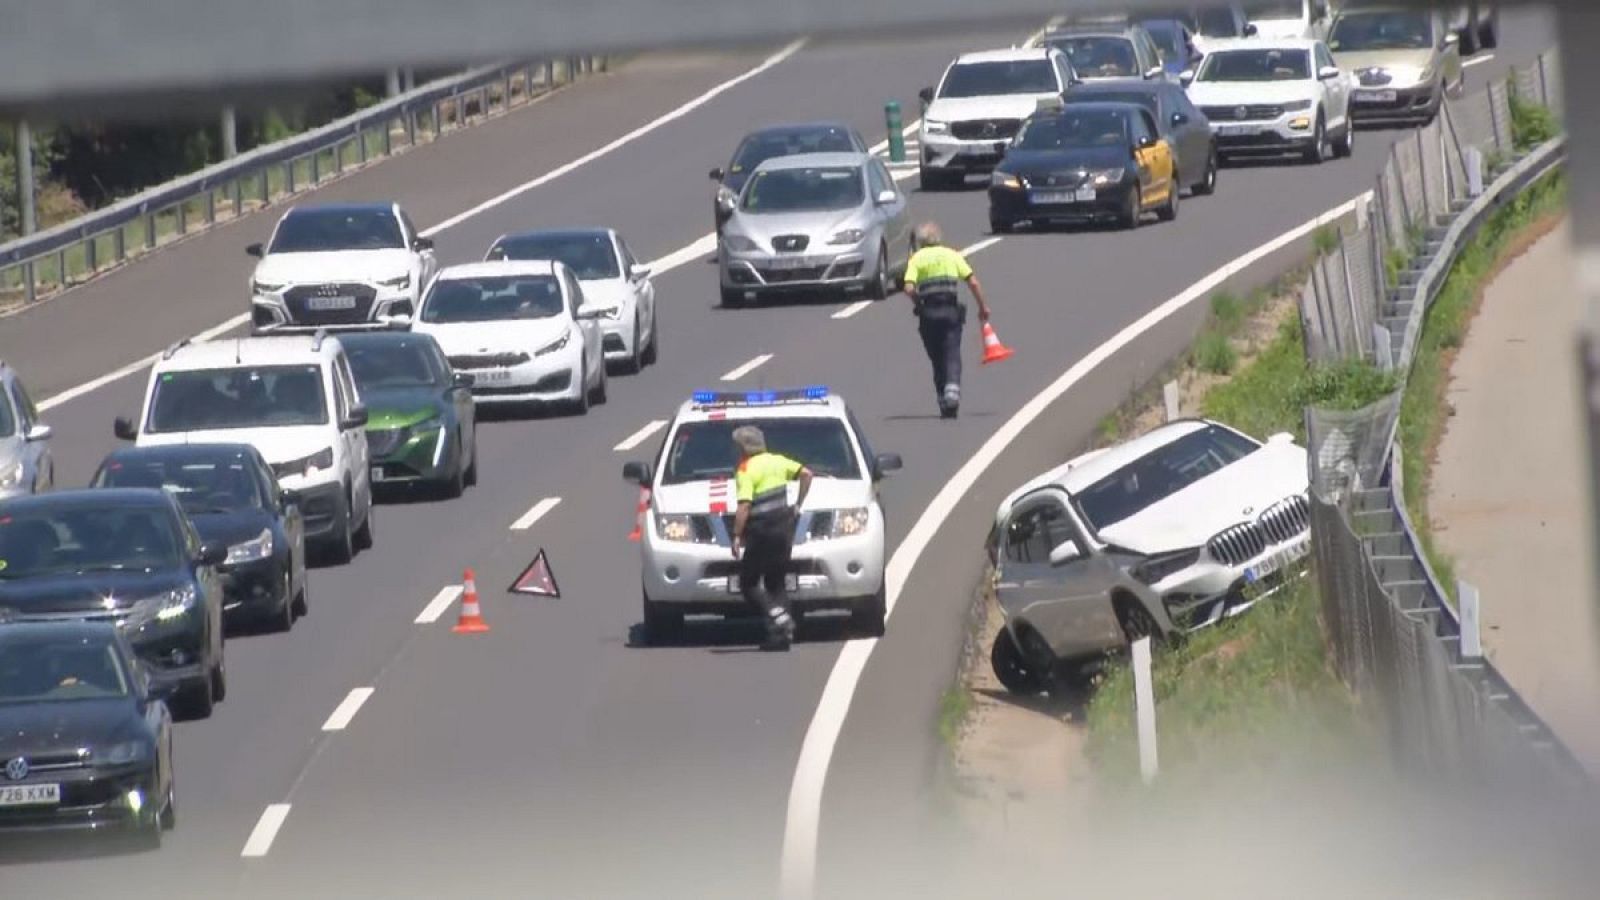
pixel 231 497
pixel 128 556
pixel 1182 123
pixel 774 141
pixel 85 736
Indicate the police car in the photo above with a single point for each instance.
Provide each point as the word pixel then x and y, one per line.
pixel 687 564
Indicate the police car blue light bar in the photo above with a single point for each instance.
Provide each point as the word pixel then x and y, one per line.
pixel 759 398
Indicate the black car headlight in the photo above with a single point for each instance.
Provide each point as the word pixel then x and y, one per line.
pixel 1153 569
pixel 257 548
pixel 1006 181
pixel 1103 177
pixel 166 607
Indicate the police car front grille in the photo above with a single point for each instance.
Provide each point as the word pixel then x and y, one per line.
pixel 986 129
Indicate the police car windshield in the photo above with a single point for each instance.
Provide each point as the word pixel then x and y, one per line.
pixel 404 363
pixel 1097 128
pixel 246 397
pixel 1381 30
pixel 1256 65
pixel 201 487
pixel 58 669
pixel 493 299
pixel 990 79
pixel 1160 474
pixel 801 190
pixel 109 538
pixel 1099 57
pixel 321 230
pixel 701 450
pixel 589 256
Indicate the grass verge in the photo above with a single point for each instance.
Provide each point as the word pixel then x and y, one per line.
pixel 954 706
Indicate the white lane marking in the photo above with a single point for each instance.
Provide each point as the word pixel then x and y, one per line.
pixel 73 393
pixel 628 138
pixel 1476 61
pixel 266 829
pixel 347 709
pixel 535 514
pixel 852 309
pixel 640 436
pixel 748 367
pixel 816 751
pixel 981 246
pixel 437 606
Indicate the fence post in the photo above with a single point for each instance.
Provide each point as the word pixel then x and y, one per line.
pixel 1171 400
pixel 316 165
pixel 1471 620
pixel 25 192
pixel 391 83
pixel 230 133
pixel 1474 162
pixel 1422 165
pixel 91 258
pixel 1144 705
pixel 1544 86
pixel 1494 120
pixel 1382 347
pixel 1350 288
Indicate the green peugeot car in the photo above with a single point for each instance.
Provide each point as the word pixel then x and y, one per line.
pixel 421 420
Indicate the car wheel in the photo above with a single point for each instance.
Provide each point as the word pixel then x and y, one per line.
pixel 168 818
pixel 217 680
pixel 456 484
pixel 661 622
pixel 1137 622
pixel 634 363
pixel 195 701
pixel 283 618
pixel 1131 210
pixel 878 288
pixel 600 384
pixel 870 615
pixel 342 547
pixel 1208 182
pixel 1016 674
pixel 471 477
pixel 732 299
pixel 1169 210
pixel 1000 226
pixel 1345 146
pixel 363 537
pixel 651 349
pixel 300 607
pixel 580 404
pixel 1318 151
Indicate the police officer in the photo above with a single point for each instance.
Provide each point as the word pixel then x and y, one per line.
pixel 763 530
pixel 933 281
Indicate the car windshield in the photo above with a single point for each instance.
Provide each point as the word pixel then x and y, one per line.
pixel 492 299
pixel 1381 30
pixel 406 362
pixel 214 486
pixel 1169 40
pixel 701 450
pixel 1160 474
pixel 52 669
pixel 1099 57
pixel 802 189
pixel 589 256
pixel 322 230
pixel 245 397
pixel 86 538
pixel 762 146
pixel 1216 22
pixel 991 79
pixel 8 419
pixel 1089 128
pixel 1138 98
pixel 1256 65
pixel 1274 9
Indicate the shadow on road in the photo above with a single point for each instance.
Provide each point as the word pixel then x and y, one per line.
pixel 742 635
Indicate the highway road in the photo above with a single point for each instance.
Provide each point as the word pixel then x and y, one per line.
pixel 553 756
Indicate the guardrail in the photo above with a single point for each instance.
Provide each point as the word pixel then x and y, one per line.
pixel 73 252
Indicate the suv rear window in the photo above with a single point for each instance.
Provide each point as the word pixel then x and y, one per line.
pixel 701 450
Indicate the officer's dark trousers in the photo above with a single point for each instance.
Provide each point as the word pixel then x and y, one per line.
pixel 941 337
pixel 764 564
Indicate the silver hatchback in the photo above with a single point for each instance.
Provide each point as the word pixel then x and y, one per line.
pixel 25 463
pixel 816 222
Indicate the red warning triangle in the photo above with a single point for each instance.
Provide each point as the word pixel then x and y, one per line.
pixel 537 579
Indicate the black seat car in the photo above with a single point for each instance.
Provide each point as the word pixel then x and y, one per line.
pixel 128 556
pixel 1178 120
pixel 232 498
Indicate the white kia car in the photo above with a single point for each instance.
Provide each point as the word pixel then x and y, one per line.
pixel 979 105
pixel 1170 532
pixel 1275 97
pixel 613 282
pixel 339 264
pixel 521 329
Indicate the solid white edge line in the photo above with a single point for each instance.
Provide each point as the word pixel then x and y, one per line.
pixel 640 436
pixel 1476 61
pixel 747 368
pixel 266 830
pixel 347 709
pixel 73 393
pixel 852 309
pixel 641 131
pixel 535 514
pixel 798 864
pixel 437 606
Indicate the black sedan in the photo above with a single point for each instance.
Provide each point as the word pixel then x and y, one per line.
pixel 775 141
pixel 1182 123
pixel 85 739
pixel 233 500
pixel 127 556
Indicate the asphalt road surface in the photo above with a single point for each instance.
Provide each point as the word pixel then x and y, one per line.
pixel 553 756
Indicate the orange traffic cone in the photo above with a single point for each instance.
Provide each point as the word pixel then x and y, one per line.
pixel 471 620
pixel 638 515
pixel 993 350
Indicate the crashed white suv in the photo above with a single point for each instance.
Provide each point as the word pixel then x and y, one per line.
pixel 339 264
pixel 1170 532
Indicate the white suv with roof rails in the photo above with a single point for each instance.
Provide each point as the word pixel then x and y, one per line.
pixel 687 565
pixel 978 107
pixel 292 397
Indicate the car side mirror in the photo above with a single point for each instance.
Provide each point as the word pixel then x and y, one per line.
pixel 463 379
pixel 886 463
pixel 1186 77
pixel 357 417
pixel 1250 30
pixel 1154 72
pixel 1065 553
pixel 717 174
pixel 212 554
pixel 38 433
pixel 122 426
pixel 422 243
pixel 640 273
pixel 926 95
pixel 886 197
pixel 1328 73
pixel 255 250
pixel 637 472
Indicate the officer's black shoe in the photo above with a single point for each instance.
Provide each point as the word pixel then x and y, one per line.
pixel 948 412
pixel 777 641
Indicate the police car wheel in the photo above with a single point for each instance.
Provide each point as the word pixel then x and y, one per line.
pixel 660 621
pixel 732 299
pixel 870 614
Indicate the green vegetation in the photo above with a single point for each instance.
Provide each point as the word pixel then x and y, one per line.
pixel 1228 312
pixel 954 706
pixel 1325 239
pixel 1531 123
pixel 1214 353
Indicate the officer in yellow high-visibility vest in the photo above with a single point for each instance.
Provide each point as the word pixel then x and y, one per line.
pixel 763 530
pixel 933 282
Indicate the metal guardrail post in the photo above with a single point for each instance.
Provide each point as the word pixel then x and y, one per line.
pixel 361 147
pixel 316 168
pixel 238 197
pixel 30 291
pixel 230 133
pixel 183 217
pixel 119 244
pixel 211 207
pixel 26 197
pixel 61 267
pixel 549 74
pixel 150 231
pixel 436 123
pixel 266 188
pixel 91 259
pixel 288 177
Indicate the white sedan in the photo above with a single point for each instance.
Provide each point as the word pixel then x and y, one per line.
pixel 521 330
pixel 613 281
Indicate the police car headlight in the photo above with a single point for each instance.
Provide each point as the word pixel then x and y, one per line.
pixel 555 345
pixel 258 547
pixel 675 527
pixel 849 522
pixel 738 243
pixel 934 127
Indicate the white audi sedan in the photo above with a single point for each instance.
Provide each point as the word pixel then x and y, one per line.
pixel 522 331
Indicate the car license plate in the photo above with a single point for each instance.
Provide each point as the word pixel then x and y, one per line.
pixel 789 262
pixel 326 303
pixel 1283 558
pixel 1238 130
pixel 491 376
pixel 1081 195
pixel 31 795
pixel 1376 96
pixel 791 583
pixel 377 474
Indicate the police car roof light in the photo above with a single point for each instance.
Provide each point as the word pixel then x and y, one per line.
pixel 813 393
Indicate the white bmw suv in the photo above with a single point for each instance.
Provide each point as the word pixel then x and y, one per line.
pixel 339 264
pixel 294 398
pixel 979 105
pixel 686 562
pixel 1274 97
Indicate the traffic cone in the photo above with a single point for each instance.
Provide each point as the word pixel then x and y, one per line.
pixel 993 350
pixel 471 620
pixel 638 515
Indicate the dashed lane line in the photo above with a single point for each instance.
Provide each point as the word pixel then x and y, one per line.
pixel 533 515
pixel 347 709
pixel 747 368
pixel 437 606
pixel 266 830
pixel 640 436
